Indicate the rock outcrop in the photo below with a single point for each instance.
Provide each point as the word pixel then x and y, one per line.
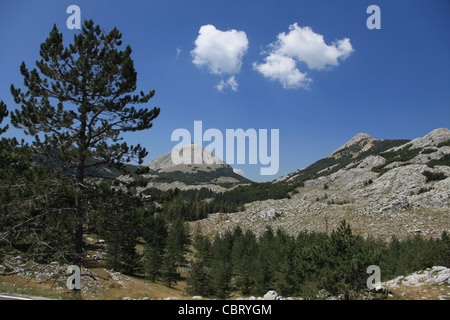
pixel 432 276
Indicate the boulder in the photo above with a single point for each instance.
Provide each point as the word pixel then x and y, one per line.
pixel 271 295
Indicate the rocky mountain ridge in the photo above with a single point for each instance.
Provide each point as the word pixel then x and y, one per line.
pixel 381 187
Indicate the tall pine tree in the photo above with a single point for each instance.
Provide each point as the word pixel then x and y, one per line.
pixel 78 102
pixel 155 236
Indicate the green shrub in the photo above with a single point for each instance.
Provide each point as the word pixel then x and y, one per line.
pixel 428 151
pixel 444 161
pixel 434 176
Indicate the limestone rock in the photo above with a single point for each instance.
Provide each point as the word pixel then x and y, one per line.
pixel 271 295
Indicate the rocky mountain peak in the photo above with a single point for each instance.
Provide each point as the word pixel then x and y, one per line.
pixel 204 168
pixel 165 162
pixel 360 142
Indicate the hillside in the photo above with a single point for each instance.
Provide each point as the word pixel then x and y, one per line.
pixel 211 169
pixel 381 187
pixel 358 148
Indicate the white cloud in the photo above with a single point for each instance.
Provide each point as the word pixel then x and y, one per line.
pixel 230 83
pixel 239 171
pixel 309 47
pixel 221 52
pixel 301 45
pixel 283 68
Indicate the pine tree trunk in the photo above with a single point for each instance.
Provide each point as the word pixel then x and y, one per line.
pixel 79 206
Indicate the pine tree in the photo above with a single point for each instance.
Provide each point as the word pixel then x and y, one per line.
pixel 197 280
pixel 178 240
pixel 243 258
pixel 266 262
pixel 220 271
pixel 284 280
pixel 174 253
pixel 121 215
pixel 343 261
pixel 392 263
pixel 170 274
pixel 78 102
pixel 153 262
pixel 202 247
pixel 155 236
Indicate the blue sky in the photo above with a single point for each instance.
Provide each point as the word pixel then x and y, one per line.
pixel 392 83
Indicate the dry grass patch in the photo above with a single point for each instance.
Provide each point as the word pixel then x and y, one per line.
pixel 431 292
